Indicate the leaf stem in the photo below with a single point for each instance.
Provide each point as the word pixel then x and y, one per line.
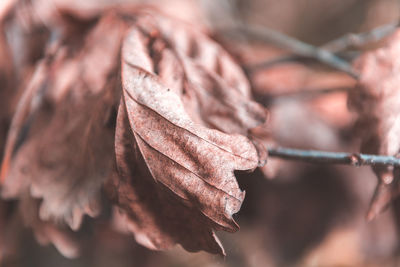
pixel 315 156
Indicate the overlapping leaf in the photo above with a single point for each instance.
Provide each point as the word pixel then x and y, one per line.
pixel 212 86
pixel 183 119
pixel 179 90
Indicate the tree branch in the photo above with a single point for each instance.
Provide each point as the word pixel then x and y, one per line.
pixel 314 156
pixel 303 94
pixel 297 47
pixel 360 39
pixel 335 46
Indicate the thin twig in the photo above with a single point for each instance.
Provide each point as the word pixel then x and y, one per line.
pixel 348 56
pixel 275 61
pixel 298 47
pixel 304 94
pixel 314 156
pixel 360 39
pixel 336 46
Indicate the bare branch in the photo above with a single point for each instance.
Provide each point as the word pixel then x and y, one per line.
pixel 314 156
pixel 302 94
pixel 298 47
pixel 336 46
pixel 346 55
pixel 275 61
pixel 360 39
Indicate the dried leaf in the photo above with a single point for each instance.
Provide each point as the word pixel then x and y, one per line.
pixel 376 98
pixel 172 98
pixel 60 143
pixel 212 86
pixel 63 239
pixel 185 111
pixel 156 217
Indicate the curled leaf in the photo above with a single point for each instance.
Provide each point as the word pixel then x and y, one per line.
pixel 212 87
pixel 175 106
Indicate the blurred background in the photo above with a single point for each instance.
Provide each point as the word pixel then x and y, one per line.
pixel 294 214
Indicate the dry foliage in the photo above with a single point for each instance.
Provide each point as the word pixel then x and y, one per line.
pixel 140 121
pixel 180 109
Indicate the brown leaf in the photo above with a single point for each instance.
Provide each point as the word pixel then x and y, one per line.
pixel 376 98
pixel 213 88
pixel 177 86
pixel 60 143
pixel 156 217
pixel 62 238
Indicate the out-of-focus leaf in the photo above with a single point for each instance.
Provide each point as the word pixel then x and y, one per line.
pixel 60 143
pixel 376 99
pixel 61 237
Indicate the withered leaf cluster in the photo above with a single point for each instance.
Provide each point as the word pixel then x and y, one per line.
pixel 131 103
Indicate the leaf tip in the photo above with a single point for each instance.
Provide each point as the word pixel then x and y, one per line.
pixel 380 201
